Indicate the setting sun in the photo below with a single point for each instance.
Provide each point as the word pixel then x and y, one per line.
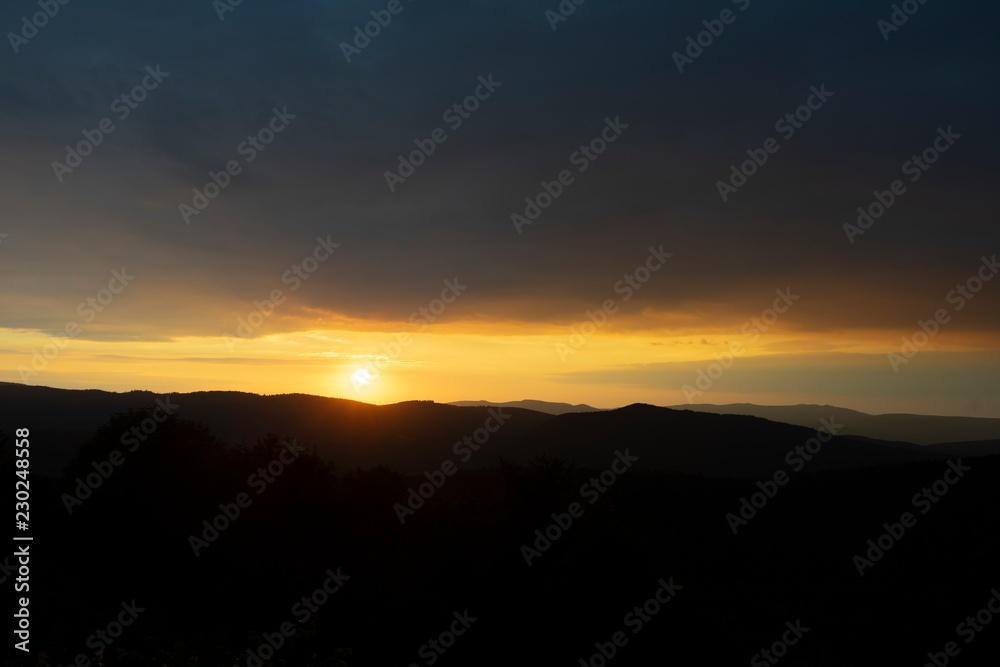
pixel 361 377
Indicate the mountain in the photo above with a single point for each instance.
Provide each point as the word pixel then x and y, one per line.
pixel 907 428
pixel 538 406
pixel 417 436
pixel 504 546
pixel 697 442
pixel 981 447
pixel 407 436
pixel 919 429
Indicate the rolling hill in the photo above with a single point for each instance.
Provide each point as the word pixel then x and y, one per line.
pixel 415 436
pixel 919 429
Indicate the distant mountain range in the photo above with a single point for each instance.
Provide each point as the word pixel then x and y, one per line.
pixel 417 436
pixel 537 406
pixel 919 429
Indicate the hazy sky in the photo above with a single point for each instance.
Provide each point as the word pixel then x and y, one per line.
pixel 215 90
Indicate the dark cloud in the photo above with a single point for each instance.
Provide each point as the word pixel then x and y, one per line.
pixel 656 184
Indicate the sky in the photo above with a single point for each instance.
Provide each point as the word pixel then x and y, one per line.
pixel 504 200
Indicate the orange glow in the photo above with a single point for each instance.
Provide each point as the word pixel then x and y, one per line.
pixel 443 363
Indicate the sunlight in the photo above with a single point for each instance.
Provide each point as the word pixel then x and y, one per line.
pixel 361 377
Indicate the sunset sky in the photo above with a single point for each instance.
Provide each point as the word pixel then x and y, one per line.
pixel 353 328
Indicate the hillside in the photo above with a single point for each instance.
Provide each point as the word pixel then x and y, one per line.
pixel 415 436
pixel 919 429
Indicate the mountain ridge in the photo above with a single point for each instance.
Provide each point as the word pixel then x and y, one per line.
pixel 417 436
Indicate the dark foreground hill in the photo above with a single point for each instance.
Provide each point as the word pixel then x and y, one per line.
pixel 227 557
pixel 409 436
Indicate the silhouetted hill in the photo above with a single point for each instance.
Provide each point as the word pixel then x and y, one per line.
pixel 409 436
pixel 919 429
pixel 979 448
pixel 699 442
pixel 415 436
pixel 538 406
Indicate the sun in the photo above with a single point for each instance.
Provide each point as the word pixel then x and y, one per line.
pixel 361 377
